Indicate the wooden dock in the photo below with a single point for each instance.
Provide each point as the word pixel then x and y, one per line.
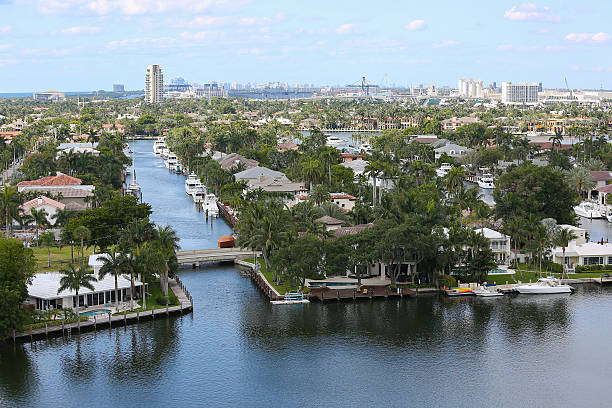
pixel 103 322
pixel 365 292
pixel 603 280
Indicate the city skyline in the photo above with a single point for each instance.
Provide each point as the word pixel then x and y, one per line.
pixel 72 45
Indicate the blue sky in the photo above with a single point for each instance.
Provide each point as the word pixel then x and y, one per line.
pixel 91 44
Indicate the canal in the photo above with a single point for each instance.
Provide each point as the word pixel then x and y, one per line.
pixel 238 350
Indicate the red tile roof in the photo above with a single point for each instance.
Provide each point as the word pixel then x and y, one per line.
pixel 42 200
pixel 601 175
pixel 59 180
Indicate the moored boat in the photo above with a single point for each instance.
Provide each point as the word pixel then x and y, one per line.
pixel 291 298
pixel 191 183
pixel 588 210
pixel 443 169
pixel 334 141
pixel 488 291
pixel 486 181
pixel 544 286
pixel 460 292
pixel 226 241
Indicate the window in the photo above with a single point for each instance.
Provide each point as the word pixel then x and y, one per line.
pixel 593 260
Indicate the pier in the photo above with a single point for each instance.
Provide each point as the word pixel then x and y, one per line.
pixel 364 292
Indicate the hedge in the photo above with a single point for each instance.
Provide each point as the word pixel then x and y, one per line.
pixel 594 268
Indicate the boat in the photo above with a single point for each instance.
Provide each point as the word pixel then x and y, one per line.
pixel 171 162
pixel 588 210
pixel 291 298
pixel 334 141
pixel 191 183
pixel 209 205
pixel 544 286
pixel 365 148
pixel 443 169
pixel 198 194
pixel 226 241
pixel 158 146
pixel 133 188
pixel 486 181
pixel 460 292
pixel 487 291
pixel 609 215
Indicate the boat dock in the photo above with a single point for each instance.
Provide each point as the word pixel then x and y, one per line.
pixel 96 323
pixel 364 292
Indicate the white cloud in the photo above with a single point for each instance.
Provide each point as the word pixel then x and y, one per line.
pixel 159 42
pixel 345 29
pixel 200 35
pixel 416 25
pixel 131 7
pixel 81 30
pixel 598 38
pixel 5 29
pixel 210 21
pixel 445 44
pixel 531 12
pixel 521 48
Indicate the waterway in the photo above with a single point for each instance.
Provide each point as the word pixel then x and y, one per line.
pixel 238 350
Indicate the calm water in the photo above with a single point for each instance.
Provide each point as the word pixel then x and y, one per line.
pixel 238 350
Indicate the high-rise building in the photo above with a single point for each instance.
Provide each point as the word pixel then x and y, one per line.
pixel 118 88
pixel 518 94
pixel 470 88
pixel 154 84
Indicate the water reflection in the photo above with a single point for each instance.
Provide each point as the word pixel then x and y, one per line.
pixel 17 377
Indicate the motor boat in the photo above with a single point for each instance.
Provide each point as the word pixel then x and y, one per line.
pixel 365 148
pixel 198 194
pixel 443 169
pixel 133 188
pixel 486 181
pixel 158 146
pixel 191 183
pixel 171 162
pixel 544 286
pixel 487 291
pixel 460 292
pixel 209 205
pixel 334 141
pixel 588 210
pixel 609 215
pixel 291 298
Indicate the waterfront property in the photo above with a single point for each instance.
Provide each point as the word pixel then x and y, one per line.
pixel 42 292
pixel 69 190
pixel 45 203
pixel 499 244
pixel 451 150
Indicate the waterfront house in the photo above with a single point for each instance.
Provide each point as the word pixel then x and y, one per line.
pixel 254 173
pixel 451 150
pixel 281 185
pixel 454 123
pixel 499 244
pixel 81 148
pixel 601 179
pixel 74 195
pixel 42 203
pixel 588 253
pixel 42 292
pixel 233 160
pixel 345 201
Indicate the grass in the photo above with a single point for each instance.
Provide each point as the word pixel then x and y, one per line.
pixel 283 287
pixel 533 276
pixel 60 258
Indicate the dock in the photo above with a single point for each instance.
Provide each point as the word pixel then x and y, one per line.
pixel 97 323
pixel 364 292
pixel 215 255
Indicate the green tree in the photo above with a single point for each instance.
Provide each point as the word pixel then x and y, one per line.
pixel 40 219
pixel 81 234
pixel 561 238
pixel 17 266
pixel 73 279
pixel 10 201
pixel 113 264
pixel 319 194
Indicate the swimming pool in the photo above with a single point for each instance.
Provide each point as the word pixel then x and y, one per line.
pixel 97 312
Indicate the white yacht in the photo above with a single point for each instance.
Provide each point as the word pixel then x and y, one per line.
pixel 544 286
pixel 133 188
pixel 365 148
pixel 443 169
pixel 487 291
pixel 171 162
pixel 164 152
pixel 198 194
pixel 191 183
pixel 291 298
pixel 209 205
pixel 588 210
pixel 158 146
pixel 609 214
pixel 486 180
pixel 334 141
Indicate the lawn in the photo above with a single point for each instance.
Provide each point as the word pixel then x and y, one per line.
pixel 283 287
pixel 155 293
pixel 59 257
pixel 533 276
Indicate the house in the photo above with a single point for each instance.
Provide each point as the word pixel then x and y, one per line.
pixel 233 160
pixel 499 244
pixel 64 148
pixel 357 165
pixel 345 201
pixel 74 195
pixel 451 150
pixel 276 185
pixel 283 147
pixel 254 173
pixel 454 123
pixel 588 253
pixel 349 157
pixel 42 292
pixel 601 179
pixel 45 203
pixel 331 223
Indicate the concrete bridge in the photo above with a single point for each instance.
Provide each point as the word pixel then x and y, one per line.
pixel 198 256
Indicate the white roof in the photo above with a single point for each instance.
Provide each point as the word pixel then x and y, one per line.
pixel 490 234
pixel 586 249
pixel 571 227
pixel 45 285
pixel 358 166
pixel 255 172
pixel 451 147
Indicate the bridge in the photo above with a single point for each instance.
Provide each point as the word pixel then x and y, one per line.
pixel 198 256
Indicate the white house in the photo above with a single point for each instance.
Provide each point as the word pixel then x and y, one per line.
pixel 451 150
pixel 345 201
pixel 42 292
pixel 64 148
pixel 42 203
pixel 499 244
pixel 588 253
pixel 254 173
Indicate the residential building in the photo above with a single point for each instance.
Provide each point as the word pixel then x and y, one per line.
pixel 345 201
pixel 234 160
pixel 276 185
pixel 519 94
pixel 45 203
pixel 499 244
pixel 331 223
pixel 154 84
pixel 255 173
pixel 588 253
pixel 451 150
pixel 74 195
pixel 470 88
pixel 64 148
pixel 454 123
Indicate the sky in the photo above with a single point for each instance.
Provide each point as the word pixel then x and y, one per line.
pixel 80 45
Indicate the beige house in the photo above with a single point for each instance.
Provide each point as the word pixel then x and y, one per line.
pixel 499 244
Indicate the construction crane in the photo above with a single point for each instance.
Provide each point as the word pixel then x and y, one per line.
pixel 569 89
pixel 364 85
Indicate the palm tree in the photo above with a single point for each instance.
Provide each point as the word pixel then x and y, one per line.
pixel 329 156
pixel 561 238
pixel 311 172
pixel 10 201
pixel 40 218
pixel 556 139
pixel 82 234
pixel 319 194
pixel 374 169
pixel 74 279
pixel 168 242
pixel 137 233
pixel 580 179
pixel 113 264
pixel 48 239
pixel 62 216
pixel 454 180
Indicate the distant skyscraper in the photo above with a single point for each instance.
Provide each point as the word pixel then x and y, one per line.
pixel 154 84
pixel 118 88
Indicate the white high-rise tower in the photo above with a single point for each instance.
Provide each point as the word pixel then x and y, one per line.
pixel 154 84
